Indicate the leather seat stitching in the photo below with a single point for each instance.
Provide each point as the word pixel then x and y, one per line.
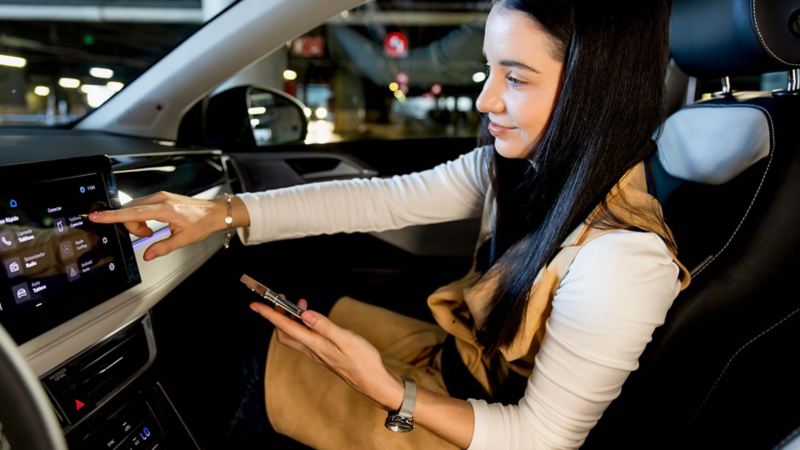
pixel 763 41
pixel 700 269
pixel 730 361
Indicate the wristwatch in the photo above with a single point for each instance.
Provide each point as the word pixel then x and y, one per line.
pixel 401 420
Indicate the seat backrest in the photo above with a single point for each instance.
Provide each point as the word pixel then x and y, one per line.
pixel 721 371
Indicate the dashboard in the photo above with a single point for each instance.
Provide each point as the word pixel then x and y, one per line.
pixel 77 296
pixel 67 283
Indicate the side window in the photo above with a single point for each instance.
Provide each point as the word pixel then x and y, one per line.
pixel 765 82
pixel 773 81
pixel 385 70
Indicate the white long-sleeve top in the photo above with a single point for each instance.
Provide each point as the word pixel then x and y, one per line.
pixel 616 292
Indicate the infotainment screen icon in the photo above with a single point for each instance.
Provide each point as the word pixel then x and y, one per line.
pixel 58 264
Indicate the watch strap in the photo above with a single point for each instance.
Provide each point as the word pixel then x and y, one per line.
pixel 409 397
pixel 402 421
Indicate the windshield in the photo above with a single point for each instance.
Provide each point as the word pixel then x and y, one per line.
pixel 60 60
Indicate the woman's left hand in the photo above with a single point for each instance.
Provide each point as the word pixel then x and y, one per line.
pixel 345 353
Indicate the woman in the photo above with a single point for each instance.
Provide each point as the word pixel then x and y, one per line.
pixel 574 270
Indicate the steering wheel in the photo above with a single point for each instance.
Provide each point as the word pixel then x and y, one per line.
pixel 27 420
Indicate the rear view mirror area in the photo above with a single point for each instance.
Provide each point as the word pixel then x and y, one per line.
pixel 244 118
pixel 275 118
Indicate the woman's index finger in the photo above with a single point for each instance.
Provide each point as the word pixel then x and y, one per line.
pixel 141 213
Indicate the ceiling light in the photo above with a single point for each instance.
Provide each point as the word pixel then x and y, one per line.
pixel 479 77
pixel 289 75
pixel 256 110
pixel 101 72
pixel 96 94
pixel 115 86
pixel 86 88
pixel 69 83
pixel 41 91
pixel 463 104
pixel 12 61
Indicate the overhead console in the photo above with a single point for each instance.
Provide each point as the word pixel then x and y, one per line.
pixel 56 264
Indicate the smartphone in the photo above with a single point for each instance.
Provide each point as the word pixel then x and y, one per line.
pixel 268 294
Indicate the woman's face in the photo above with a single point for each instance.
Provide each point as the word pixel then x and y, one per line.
pixel 523 83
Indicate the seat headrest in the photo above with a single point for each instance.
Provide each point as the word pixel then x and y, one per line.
pixel 713 143
pixel 717 38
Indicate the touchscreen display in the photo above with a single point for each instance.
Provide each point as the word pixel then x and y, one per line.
pixel 55 262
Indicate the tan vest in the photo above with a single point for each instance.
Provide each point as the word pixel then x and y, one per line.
pixel 458 306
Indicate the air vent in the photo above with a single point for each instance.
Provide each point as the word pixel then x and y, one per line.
pixel 88 380
pixel 184 173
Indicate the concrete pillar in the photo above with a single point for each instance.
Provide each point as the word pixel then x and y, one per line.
pixel 348 102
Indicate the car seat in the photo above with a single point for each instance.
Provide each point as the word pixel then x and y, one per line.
pixel 721 371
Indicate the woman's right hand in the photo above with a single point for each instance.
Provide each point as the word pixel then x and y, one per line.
pixel 190 220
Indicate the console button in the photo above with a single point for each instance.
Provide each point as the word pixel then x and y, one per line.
pixel 13 267
pixel 61 225
pixel 21 293
pixel 7 241
pixel 66 249
pixel 73 273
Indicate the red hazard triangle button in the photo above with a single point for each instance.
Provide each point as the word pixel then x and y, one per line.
pixel 79 405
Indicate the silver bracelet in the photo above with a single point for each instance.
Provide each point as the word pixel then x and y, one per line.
pixel 226 240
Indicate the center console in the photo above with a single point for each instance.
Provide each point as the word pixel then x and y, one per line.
pixel 107 398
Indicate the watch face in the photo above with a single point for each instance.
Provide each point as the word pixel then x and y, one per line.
pixel 399 423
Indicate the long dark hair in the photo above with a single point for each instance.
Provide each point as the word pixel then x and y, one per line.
pixel 611 103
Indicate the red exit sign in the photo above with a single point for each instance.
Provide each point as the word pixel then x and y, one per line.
pixel 308 46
